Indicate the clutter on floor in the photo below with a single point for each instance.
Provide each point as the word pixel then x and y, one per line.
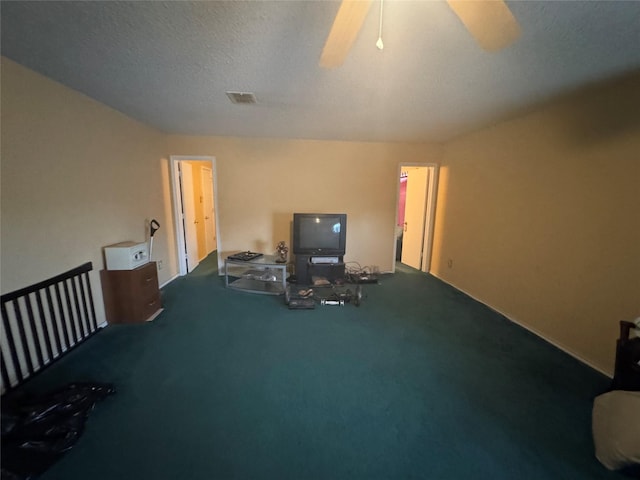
pixel 38 429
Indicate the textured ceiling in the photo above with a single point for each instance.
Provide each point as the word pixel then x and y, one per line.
pixel 168 64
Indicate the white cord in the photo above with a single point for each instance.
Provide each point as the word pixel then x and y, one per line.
pixel 379 43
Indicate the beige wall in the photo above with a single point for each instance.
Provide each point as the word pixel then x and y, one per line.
pixel 262 182
pixel 541 218
pixel 76 176
pixel 539 215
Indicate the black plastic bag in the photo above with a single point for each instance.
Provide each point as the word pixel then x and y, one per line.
pixel 38 430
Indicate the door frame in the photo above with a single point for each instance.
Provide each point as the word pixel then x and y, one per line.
pixel 430 212
pixel 174 160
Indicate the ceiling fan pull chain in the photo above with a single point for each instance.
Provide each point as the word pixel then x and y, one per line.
pixel 379 43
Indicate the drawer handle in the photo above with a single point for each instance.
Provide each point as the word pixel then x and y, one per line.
pixel 152 303
pixel 148 279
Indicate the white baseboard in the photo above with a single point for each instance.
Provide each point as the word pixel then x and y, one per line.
pixel 169 281
pixel 534 331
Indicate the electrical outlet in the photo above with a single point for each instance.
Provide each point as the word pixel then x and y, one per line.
pixel 159 264
pixel 450 263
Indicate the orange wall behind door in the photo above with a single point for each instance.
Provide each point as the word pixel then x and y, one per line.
pixel 196 167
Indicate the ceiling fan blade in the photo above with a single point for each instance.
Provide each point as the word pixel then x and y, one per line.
pixel 490 22
pixel 344 31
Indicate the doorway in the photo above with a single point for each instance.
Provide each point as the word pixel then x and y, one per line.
pixel 194 192
pixel 417 189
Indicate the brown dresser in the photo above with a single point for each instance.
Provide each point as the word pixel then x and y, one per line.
pixel 131 296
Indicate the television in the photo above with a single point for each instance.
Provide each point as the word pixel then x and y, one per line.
pixel 319 234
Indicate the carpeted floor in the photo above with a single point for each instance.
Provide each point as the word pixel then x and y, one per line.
pixel 420 381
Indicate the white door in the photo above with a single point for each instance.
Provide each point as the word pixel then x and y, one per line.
pixel 208 209
pixel 189 216
pixel 414 216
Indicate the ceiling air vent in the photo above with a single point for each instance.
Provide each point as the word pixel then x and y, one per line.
pixel 241 97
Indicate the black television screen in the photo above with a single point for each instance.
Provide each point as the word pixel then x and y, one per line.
pixel 319 233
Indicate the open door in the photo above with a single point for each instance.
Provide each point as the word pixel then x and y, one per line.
pixel 414 216
pixel 189 216
pixel 208 208
pixel 417 191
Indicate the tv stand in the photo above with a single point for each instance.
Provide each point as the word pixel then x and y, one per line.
pixel 309 266
pixel 262 274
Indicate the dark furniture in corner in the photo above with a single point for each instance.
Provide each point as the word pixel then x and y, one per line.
pixel 131 296
pixel 627 368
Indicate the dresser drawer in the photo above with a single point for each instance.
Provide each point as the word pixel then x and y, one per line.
pixel 148 306
pixel 146 276
pixel 147 283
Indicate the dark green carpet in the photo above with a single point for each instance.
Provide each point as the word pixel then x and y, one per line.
pixel 419 382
